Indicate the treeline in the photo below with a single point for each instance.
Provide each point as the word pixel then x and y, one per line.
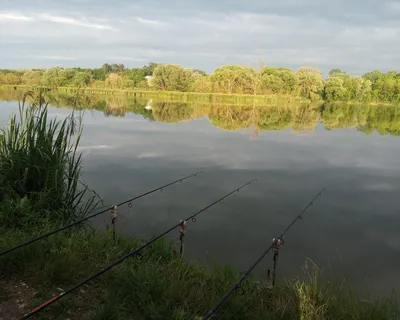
pixel 114 76
pixel 306 82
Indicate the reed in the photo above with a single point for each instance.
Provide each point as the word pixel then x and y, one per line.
pixel 39 165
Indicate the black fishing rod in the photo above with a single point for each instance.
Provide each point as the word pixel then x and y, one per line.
pixel 95 214
pixel 133 252
pixel 236 287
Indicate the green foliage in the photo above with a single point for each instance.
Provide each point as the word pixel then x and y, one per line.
pixel 227 79
pixel 10 78
pixel 32 78
pixel 114 81
pixel 385 86
pixel 310 82
pixel 149 69
pixel 201 84
pixel 99 74
pixel 53 78
pixel 82 79
pixel 334 89
pixel 39 163
pixel 117 68
pixel 306 83
pixel 280 80
pixel 252 81
pixel 203 73
pixel 335 72
pixel 136 76
pixel 171 77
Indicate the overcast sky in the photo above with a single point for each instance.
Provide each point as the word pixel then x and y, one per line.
pixel 355 35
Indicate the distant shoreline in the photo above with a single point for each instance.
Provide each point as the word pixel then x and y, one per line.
pixel 196 96
pixel 183 95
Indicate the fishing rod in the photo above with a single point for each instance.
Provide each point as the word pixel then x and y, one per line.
pixel 129 201
pixel 236 287
pixel 133 252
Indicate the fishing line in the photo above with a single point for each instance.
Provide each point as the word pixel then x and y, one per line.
pixel 129 201
pixel 133 252
pixel 236 287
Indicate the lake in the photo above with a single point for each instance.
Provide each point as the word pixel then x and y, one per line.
pixel 351 232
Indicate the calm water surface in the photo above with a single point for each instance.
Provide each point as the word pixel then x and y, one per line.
pixel 352 231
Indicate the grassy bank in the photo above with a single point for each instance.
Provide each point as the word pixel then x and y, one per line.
pixel 220 98
pixel 180 96
pixel 158 286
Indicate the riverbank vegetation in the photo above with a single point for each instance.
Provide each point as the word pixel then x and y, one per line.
pixel 158 286
pixel 39 165
pixel 304 83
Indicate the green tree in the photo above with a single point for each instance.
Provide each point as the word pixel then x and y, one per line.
pixel 136 76
pixel 149 69
pixel 82 79
pixel 107 69
pixel 231 79
pixel 203 73
pixel 357 89
pixel 67 76
pixel 202 84
pixel 252 81
pixel 171 77
pixel 227 79
pixel 114 81
pixel 99 74
pixel 334 89
pixel 53 77
pixel 335 72
pixel 279 80
pixel 10 78
pixel 310 82
pixel 32 78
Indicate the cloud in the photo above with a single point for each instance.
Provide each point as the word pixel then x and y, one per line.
pixel 57 57
pixel 13 16
pixel 86 23
pixel 357 36
pixel 74 22
pixel 148 21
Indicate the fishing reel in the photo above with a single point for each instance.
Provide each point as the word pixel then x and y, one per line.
pixel 182 230
pixel 276 245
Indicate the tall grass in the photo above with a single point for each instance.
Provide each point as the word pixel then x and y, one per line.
pixel 39 165
pixel 161 286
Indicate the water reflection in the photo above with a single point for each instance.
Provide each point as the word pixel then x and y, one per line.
pixel 353 151
pixel 300 118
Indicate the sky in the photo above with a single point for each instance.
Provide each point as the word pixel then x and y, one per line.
pixel 356 36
